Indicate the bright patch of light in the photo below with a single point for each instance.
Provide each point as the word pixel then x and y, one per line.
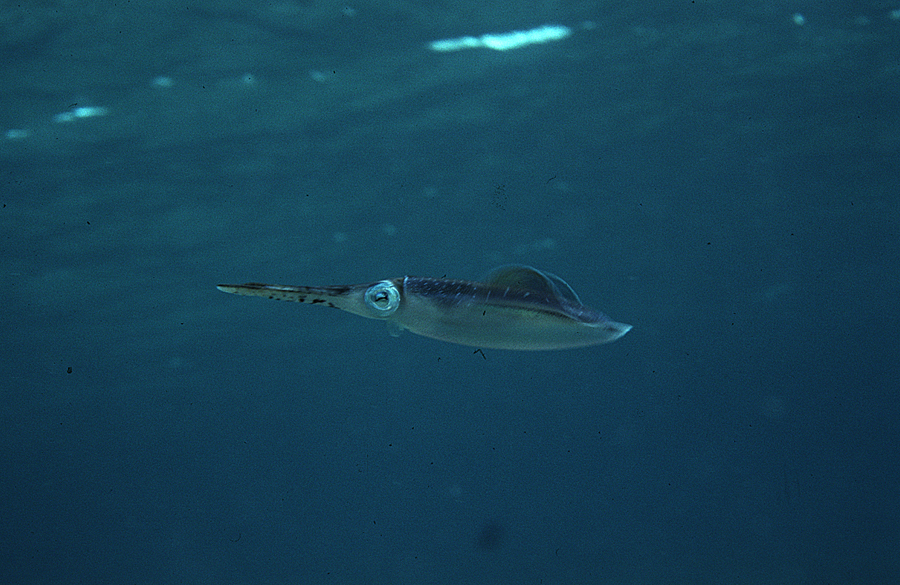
pixel 80 112
pixel 17 134
pixel 504 41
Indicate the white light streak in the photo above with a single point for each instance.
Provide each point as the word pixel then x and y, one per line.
pixel 503 41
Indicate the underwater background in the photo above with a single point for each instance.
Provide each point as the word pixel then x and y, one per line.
pixel 723 176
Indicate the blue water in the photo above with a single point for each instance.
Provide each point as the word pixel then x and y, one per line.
pixel 720 176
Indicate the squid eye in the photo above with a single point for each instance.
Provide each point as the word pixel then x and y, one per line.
pixel 383 298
